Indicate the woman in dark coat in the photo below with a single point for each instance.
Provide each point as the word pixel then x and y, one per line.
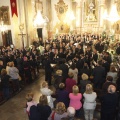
pixel 62 95
pixel 43 108
pixel 5 83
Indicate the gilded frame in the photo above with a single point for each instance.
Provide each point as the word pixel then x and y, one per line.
pixel 5 15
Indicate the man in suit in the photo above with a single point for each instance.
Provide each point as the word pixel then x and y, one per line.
pixel 99 75
pixel 64 69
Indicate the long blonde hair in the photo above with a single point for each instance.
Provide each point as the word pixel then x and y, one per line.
pixel 89 89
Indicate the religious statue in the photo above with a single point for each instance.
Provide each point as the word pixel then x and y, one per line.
pixel 61 10
pixel 90 9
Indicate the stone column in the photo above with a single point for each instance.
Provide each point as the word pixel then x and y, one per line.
pixel 78 15
pixel 74 20
pixel 101 11
pixel 49 15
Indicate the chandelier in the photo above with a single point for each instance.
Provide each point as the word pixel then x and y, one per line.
pixel 3 27
pixel 40 20
pixel 113 16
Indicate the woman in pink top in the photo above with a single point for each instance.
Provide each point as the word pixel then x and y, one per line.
pixel 70 82
pixel 75 98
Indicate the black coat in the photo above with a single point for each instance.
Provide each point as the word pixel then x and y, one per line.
pixel 5 81
pixel 99 74
pixel 44 111
pixel 109 102
pixel 64 69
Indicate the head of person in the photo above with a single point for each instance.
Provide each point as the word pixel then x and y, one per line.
pixel 44 84
pixel 61 86
pixel 71 111
pixel 71 75
pixel 43 100
pixel 75 89
pixel 59 72
pixel 109 78
pixel 85 65
pixel 60 108
pixel 29 97
pixel 89 89
pixel 11 64
pixel 8 64
pixel 3 72
pixel 99 63
pixel 73 66
pixel 1 62
pixel 84 76
pixel 25 58
pixel 111 89
pixel 112 69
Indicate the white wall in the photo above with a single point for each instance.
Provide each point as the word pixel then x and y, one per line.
pixel 14 23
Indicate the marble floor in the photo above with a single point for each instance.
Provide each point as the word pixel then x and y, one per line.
pixel 13 109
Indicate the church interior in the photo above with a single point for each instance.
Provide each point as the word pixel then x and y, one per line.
pixel 38 36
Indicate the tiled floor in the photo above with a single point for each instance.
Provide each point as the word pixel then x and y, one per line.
pixel 13 109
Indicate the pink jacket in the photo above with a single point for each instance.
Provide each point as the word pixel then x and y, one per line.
pixel 75 100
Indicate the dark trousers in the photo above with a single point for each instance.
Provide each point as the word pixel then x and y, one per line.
pixel 6 92
pixel 28 75
pixel 16 85
pixel 78 113
pixel 107 116
pixel 48 76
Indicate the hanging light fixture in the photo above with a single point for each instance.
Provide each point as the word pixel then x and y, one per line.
pixel 113 16
pixel 40 20
pixel 3 27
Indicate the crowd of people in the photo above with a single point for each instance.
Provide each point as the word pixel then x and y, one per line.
pixel 83 69
pixel 18 67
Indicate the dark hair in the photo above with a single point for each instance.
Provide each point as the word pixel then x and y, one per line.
pixel 73 66
pixel 61 86
pixel 3 72
pixel 109 78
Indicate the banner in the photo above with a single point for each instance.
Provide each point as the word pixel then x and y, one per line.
pixel 13 7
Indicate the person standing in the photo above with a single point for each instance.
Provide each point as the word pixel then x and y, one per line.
pixel 75 102
pixel 109 103
pixel 48 70
pixel 99 75
pixel 89 102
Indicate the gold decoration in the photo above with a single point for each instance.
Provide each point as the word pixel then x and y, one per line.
pixel 116 27
pixel 5 15
pixel 61 9
pixel 90 11
pixel 21 27
pixel 62 27
pixel 118 6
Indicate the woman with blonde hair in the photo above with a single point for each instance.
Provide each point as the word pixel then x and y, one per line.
pixel 46 91
pixel 84 82
pixel 14 74
pixel 89 102
pixel 75 98
pixel 59 112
